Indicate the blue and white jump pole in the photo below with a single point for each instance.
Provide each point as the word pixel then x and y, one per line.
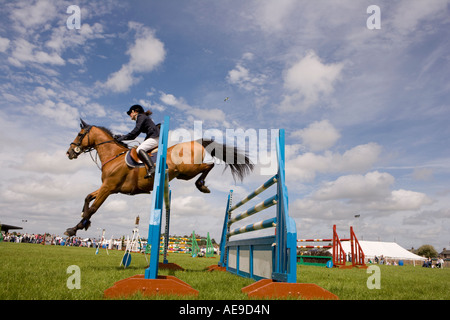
pixel 151 283
pixel 160 193
pixel 272 257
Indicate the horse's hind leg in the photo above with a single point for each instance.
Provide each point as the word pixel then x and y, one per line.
pixel 200 183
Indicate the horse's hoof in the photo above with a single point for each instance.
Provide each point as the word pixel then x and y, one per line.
pixel 70 232
pixel 204 189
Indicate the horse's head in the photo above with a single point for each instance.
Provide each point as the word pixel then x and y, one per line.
pixel 81 142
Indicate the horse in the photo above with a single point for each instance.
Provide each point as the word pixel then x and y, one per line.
pixel 184 161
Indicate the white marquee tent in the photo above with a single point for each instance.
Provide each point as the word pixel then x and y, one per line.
pixel 390 250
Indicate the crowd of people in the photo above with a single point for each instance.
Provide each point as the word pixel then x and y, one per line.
pixel 116 244
pixel 49 239
pixel 429 263
pixel 382 260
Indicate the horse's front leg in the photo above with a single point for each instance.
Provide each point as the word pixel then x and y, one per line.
pixel 99 197
pixel 87 201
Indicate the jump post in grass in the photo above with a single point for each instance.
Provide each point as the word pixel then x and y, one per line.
pixel 339 255
pixel 271 260
pixel 151 283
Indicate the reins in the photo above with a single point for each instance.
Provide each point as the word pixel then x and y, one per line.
pixel 115 157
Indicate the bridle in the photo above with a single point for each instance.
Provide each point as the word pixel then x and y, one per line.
pixel 78 149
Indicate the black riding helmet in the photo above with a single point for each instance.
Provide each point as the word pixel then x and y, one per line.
pixel 137 108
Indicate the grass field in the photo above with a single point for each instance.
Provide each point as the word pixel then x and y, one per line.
pixel 36 272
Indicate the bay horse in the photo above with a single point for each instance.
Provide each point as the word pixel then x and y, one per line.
pixel 118 177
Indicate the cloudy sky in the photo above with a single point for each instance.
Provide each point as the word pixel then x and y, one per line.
pixel 365 110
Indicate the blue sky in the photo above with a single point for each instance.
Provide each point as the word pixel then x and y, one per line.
pixel 365 111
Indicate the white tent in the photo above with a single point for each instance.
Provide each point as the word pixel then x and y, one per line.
pixel 390 250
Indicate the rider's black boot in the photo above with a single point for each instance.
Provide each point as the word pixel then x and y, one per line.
pixel 149 165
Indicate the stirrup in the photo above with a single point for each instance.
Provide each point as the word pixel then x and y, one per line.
pixel 150 173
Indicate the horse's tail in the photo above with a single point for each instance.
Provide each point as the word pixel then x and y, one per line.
pixel 238 161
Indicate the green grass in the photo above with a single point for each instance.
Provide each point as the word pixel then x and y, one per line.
pixel 36 272
pixel 396 283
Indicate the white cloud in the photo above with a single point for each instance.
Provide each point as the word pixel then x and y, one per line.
pixel 409 14
pixel 95 109
pixel 208 114
pixel 52 163
pixel 423 174
pixel 63 38
pixel 402 200
pixel 172 101
pixel 356 187
pixel 214 114
pixel 248 56
pixel 122 80
pixel 28 15
pixel 370 194
pixel 146 53
pixel 44 93
pixel 60 112
pixel 25 52
pixel 146 104
pixel 189 206
pixel 358 159
pixel 4 44
pixel 308 80
pixel 43 188
pixel 238 75
pixel 319 135
pixel 116 205
pixel 243 78
pixel 270 16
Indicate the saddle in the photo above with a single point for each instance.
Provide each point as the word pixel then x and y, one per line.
pixel 132 159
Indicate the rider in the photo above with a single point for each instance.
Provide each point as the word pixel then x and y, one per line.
pixel 144 124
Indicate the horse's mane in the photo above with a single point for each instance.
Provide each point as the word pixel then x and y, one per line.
pixel 107 131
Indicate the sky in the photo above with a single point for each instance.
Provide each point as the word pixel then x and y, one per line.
pixel 361 91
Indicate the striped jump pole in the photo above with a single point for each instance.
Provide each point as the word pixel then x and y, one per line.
pixel 281 245
pixel 259 207
pixel 321 240
pixel 312 247
pixel 314 240
pixel 271 260
pixel 338 253
pixel 269 223
pixel 258 190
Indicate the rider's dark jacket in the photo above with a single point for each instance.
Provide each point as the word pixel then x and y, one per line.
pixel 144 124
